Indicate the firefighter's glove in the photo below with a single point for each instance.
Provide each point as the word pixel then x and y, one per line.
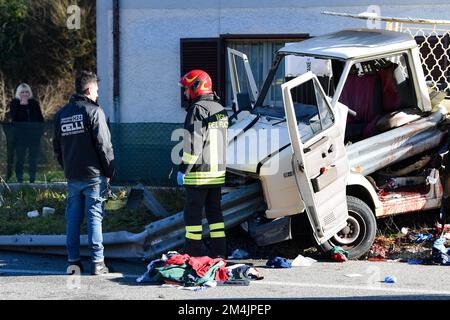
pixel 180 178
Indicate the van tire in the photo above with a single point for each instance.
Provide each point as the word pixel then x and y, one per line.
pixel 360 214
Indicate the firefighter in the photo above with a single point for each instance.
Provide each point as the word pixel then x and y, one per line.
pixel 202 171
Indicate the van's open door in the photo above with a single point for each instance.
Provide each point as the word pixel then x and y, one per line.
pixel 243 83
pixel 319 157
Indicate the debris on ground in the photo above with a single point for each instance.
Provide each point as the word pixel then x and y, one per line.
pixel 278 262
pixel 338 254
pixel 390 279
pixel 441 254
pixel 196 273
pixel 353 275
pixel 33 214
pixel 380 249
pixel 47 211
pixel 302 261
pixel 420 237
pixel 421 246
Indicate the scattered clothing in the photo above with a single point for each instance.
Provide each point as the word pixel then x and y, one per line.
pixel 146 278
pixel 278 262
pixel 202 265
pixel 197 273
pixel 243 271
pixel 339 255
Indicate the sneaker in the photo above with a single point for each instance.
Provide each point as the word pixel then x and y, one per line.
pixel 74 266
pixel 98 268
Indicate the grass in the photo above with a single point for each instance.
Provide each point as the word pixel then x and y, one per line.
pixel 42 176
pixel 14 206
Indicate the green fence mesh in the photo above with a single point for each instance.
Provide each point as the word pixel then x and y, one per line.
pixel 142 151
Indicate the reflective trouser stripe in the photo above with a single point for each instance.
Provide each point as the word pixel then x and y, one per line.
pixel 215 226
pixel 194 236
pixel 194 228
pixel 214 233
pixel 217 234
pixel 190 232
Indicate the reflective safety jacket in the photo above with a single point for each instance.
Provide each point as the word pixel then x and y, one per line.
pixel 205 143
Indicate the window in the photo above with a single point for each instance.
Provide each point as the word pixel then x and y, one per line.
pixel 375 89
pixel 209 54
pixel 312 112
pixel 260 55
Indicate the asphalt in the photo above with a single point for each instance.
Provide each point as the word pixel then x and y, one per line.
pixel 32 276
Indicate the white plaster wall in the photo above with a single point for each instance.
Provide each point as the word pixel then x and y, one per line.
pixel 151 32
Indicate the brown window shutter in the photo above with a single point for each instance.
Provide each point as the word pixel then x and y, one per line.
pixel 204 54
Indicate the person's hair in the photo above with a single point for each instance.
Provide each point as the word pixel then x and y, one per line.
pixel 83 80
pixel 21 87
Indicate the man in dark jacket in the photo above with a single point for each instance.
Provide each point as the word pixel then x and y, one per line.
pixel 82 144
pixel 202 171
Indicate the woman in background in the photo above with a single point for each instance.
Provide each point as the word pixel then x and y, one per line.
pixel 27 121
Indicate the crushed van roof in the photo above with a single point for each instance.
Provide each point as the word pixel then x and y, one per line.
pixel 352 43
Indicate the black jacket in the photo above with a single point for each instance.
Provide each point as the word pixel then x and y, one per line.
pixel 27 113
pixel 205 143
pixel 82 141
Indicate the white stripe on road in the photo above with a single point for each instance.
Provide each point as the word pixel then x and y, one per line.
pixel 372 287
pixel 54 273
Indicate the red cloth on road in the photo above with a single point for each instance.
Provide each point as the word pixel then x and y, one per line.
pixel 178 259
pixel 339 257
pixel 201 265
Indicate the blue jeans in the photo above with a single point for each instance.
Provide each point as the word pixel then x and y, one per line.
pixel 85 197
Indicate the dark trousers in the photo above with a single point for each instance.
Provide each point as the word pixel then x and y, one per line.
pixel 22 146
pixel 10 149
pixel 196 200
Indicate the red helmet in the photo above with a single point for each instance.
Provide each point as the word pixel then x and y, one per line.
pixel 198 82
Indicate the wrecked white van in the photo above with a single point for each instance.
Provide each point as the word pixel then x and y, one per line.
pixel 351 130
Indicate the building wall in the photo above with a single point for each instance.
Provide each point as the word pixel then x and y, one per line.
pixel 151 30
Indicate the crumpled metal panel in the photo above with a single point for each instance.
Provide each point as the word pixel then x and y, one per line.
pixel 377 152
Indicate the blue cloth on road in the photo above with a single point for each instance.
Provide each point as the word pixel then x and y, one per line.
pixel 278 262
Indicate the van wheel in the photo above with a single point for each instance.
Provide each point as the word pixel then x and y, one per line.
pixel 358 236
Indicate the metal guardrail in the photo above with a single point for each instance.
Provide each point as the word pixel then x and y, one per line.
pixel 157 238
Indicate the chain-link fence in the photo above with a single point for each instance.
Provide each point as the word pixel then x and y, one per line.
pixel 142 151
pixel 433 39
